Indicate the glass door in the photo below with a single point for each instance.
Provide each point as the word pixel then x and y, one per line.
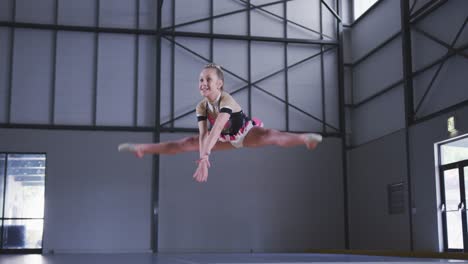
pixel 454 180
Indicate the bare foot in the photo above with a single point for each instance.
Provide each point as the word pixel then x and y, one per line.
pixel 312 140
pixel 131 147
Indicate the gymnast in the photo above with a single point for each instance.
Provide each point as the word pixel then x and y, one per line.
pixel 230 127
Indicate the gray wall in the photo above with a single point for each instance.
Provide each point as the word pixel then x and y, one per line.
pixel 449 87
pixel 372 167
pixel 384 114
pixel 97 200
pixel 377 154
pixel 265 199
pixel 425 177
pixel 377 128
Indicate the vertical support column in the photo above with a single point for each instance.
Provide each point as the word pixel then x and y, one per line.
pixel 156 135
pixel 11 60
pixel 136 66
pixel 173 12
pixel 211 29
pixel 54 67
pixel 344 156
pixel 409 113
pixel 322 71
pixel 286 77
pixel 249 62
pixel 96 56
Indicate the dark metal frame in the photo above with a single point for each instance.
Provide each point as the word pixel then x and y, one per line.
pixel 342 109
pixel 326 43
pixel 96 63
pixel 54 67
pixel 408 102
pixel 156 136
pixel 2 219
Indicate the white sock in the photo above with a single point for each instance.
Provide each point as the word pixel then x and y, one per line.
pixel 314 137
pixel 127 147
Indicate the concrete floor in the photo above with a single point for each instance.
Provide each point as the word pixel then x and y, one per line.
pixel 207 259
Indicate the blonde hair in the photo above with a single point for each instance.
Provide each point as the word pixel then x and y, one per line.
pixel 219 71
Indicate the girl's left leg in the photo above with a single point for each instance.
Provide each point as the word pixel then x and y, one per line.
pixel 259 136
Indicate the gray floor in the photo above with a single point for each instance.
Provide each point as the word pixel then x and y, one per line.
pixel 206 259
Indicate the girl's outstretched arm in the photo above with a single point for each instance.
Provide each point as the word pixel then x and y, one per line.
pixel 207 142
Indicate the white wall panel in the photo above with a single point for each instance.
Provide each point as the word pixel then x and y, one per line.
pixel 166 12
pixel 381 116
pixel 201 46
pixel 231 55
pixel 146 81
pixel 233 24
pixel 32 76
pixel 375 28
pixel 115 89
pixel 6 10
pixel 378 71
pixel 269 109
pixel 305 90
pixel 264 24
pixel 329 21
pixel 188 10
pixel 186 76
pixel 35 11
pixel 5 51
pixel 147 13
pixel 226 6
pixel 117 13
pixel 274 85
pixel 266 58
pixel 74 78
pixel 307 14
pixel 300 122
pixel 203 27
pixel 299 52
pixel 72 12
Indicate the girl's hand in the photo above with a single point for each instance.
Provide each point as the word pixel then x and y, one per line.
pixel 201 174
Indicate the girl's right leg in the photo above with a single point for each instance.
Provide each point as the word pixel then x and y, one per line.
pixel 170 147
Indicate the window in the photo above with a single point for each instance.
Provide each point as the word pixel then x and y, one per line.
pixel 22 182
pixel 454 151
pixel 361 6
